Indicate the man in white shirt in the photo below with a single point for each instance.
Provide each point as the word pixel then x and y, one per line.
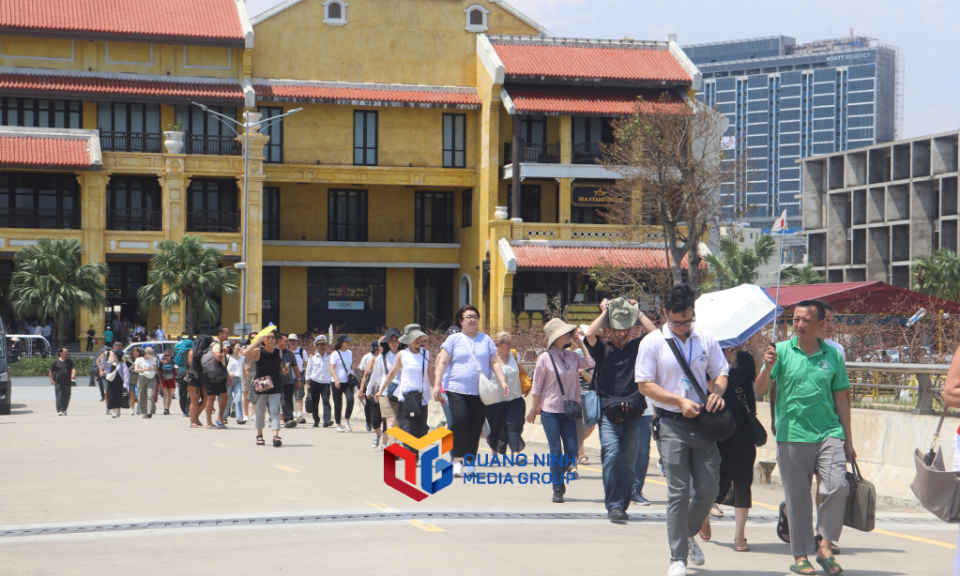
pixel 161 335
pixel 318 382
pixel 688 457
pixel 300 354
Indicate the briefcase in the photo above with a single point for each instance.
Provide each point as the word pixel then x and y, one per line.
pixel 861 512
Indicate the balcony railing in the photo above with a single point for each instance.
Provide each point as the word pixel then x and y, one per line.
pixel 535 153
pixel 134 219
pixel 130 141
pixel 586 152
pixel 213 221
pixel 52 218
pixel 214 145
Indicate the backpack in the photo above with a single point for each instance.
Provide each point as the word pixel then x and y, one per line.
pixel 180 357
pixel 214 370
pixel 200 346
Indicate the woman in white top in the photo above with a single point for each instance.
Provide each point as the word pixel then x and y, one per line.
pixel 468 354
pixel 368 389
pixel 318 382
pixel 146 370
pixel 506 417
pixel 342 360
pixel 413 393
pixel 384 397
pixel 235 380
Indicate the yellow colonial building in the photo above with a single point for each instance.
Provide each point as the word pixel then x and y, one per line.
pixel 387 199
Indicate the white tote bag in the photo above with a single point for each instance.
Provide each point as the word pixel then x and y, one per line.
pixel 490 392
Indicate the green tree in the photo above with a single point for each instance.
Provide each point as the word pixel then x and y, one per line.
pixel 794 276
pixel 740 265
pixel 186 272
pixel 938 274
pixel 51 283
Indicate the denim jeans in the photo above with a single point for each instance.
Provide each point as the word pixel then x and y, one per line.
pixel 506 417
pixel 618 450
pixel 559 429
pixel 643 453
pixel 235 395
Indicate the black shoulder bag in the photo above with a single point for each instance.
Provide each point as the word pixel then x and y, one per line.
pixel 715 426
pixel 352 381
pixel 571 409
pixel 759 433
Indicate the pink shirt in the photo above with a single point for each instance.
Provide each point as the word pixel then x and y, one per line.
pixel 545 380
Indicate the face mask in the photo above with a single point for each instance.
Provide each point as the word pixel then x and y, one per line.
pixel 567 345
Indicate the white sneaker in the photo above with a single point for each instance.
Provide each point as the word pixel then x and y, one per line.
pixel 346 424
pixel 469 470
pixel 376 440
pixel 457 470
pixel 678 568
pixel 339 428
pixel 695 553
pixel 64 412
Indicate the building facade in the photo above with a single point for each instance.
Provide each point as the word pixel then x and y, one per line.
pixel 868 213
pixel 384 201
pixel 787 101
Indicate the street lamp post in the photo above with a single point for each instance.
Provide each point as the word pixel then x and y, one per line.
pixel 247 127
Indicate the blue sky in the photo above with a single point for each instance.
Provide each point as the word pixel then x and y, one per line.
pixel 926 31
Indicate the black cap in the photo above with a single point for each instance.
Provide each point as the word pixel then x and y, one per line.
pixel 373 346
pixel 391 332
pixel 344 338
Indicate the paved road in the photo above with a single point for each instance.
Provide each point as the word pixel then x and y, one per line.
pixel 156 497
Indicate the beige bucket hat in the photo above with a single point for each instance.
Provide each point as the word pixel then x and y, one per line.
pixel 555 329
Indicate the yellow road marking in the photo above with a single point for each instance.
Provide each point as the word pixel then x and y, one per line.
pixel 287 468
pixel 915 538
pixel 382 507
pixel 426 527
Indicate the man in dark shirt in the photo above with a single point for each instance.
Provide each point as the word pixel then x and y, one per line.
pixel 290 380
pixel 62 375
pixel 621 404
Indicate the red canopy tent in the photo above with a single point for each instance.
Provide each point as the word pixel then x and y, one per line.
pixel 863 298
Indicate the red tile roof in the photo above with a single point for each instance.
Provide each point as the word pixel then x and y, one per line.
pixel 582 258
pixel 126 89
pixel 45 153
pixel 542 99
pixel 214 22
pixel 621 63
pixel 862 298
pixel 376 95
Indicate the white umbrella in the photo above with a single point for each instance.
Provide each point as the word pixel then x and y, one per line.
pixel 733 316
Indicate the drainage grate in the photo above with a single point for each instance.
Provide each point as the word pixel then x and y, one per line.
pixel 362 517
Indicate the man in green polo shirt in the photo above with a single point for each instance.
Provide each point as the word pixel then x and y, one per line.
pixel 813 433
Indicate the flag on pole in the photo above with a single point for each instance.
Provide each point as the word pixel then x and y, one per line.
pixel 781 224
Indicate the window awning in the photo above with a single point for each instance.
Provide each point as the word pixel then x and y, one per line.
pixel 588 100
pixel 583 258
pixel 50 149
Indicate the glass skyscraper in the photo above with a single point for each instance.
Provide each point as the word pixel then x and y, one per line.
pixel 787 101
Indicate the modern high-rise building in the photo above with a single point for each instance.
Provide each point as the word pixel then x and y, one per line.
pixel 787 101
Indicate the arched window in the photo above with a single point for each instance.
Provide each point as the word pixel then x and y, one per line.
pixel 335 12
pixel 466 286
pixel 476 18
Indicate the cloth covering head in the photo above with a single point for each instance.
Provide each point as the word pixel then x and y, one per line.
pixel 621 314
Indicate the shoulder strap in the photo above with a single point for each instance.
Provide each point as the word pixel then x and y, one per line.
pixel 423 353
pixel 470 348
pixel 672 342
pixel 557 372
pixel 345 369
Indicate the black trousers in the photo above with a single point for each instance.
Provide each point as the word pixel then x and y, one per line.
pixel 414 425
pixel 287 404
pixel 506 425
pixel 373 412
pixel 338 394
pixel 319 391
pixel 183 397
pixel 96 380
pixel 737 457
pixel 63 396
pixel 89 344
pixel 467 413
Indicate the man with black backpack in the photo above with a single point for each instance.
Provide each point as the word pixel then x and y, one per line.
pixel 621 404
pixel 213 374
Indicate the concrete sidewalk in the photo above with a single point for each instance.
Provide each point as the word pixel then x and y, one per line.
pixel 320 502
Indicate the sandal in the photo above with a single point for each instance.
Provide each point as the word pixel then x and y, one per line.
pixel 195 425
pixel 584 460
pixel 829 564
pixel 212 428
pixel 833 547
pixel 277 442
pixel 220 425
pixel 716 512
pixel 802 565
pixel 260 440
pixel 740 545
pixel 705 532
pixel 783 527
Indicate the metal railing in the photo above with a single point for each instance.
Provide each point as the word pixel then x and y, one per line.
pixel 131 141
pixel 213 221
pixel 134 219
pixel 535 153
pixel 586 152
pixel 213 145
pixel 873 378
pixel 54 218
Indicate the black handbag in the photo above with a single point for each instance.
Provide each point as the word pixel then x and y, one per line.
pixel 351 378
pixel 715 426
pixel 759 432
pixel 571 409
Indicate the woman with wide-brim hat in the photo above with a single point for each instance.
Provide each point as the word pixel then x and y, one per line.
pixel 416 373
pixel 390 347
pixel 556 379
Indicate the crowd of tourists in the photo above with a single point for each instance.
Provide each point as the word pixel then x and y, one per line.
pixel 622 374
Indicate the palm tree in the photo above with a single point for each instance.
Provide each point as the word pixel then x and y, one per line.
pixel 938 274
pixel 50 282
pixel 740 265
pixel 807 275
pixel 187 272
